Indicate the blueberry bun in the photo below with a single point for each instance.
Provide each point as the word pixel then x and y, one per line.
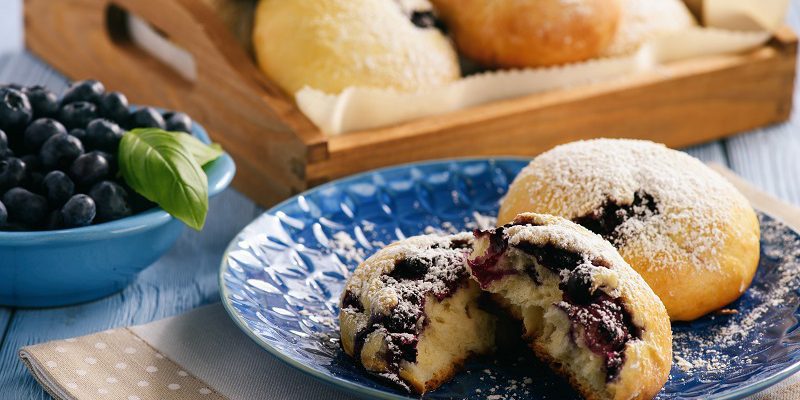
pixel 584 310
pixel 409 313
pixel 690 234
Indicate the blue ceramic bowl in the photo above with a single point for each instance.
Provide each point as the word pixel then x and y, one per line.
pixel 56 268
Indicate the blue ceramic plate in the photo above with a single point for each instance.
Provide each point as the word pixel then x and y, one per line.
pixel 282 275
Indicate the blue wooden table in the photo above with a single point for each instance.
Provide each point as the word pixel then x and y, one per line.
pixel 186 277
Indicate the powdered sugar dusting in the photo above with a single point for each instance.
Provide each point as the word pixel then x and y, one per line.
pixel 694 202
pixel 718 348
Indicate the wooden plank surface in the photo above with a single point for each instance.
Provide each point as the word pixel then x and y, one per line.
pixel 186 277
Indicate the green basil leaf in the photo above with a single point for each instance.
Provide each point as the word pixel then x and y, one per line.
pixel 157 165
pixel 201 152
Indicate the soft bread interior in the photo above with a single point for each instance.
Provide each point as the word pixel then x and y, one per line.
pixel 456 328
pixel 546 325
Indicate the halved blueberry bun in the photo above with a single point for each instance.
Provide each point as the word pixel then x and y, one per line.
pixel 585 311
pixel 410 312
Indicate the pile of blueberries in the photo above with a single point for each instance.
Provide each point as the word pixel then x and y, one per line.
pixel 58 157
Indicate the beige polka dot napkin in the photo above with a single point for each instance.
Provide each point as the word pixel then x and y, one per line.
pixel 203 355
pixel 115 364
pixel 199 355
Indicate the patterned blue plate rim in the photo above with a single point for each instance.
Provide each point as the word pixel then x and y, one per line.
pixel 362 390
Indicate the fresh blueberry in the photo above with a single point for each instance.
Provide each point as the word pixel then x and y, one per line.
pixel 89 169
pixel 15 86
pixel 12 172
pixel 33 181
pixel 43 101
pixel 103 134
pixel 111 201
pixel 3 214
pixel 114 106
pixel 6 154
pixel 39 131
pixel 32 162
pixel 112 162
pixel 58 188
pixel 78 114
pixel 3 141
pixel 137 202
pixel 79 210
pixel 88 90
pixel 178 122
pixel 15 110
pixel 79 133
pixel 54 221
pixel 24 207
pixel 147 117
pixel 60 151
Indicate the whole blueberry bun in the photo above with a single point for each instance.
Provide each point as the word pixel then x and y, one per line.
pixel 530 33
pixel 331 45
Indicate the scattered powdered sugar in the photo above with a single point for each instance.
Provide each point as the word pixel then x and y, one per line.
pixel 478 221
pixel 694 202
pixel 344 245
pixel 721 345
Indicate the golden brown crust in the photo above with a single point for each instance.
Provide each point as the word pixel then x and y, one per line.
pixel 532 33
pixel 699 254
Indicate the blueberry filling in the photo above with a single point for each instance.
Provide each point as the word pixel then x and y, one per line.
pixel 410 268
pixel 485 268
pixel 427 19
pixel 607 328
pixel 607 325
pixel 605 220
pixel 349 300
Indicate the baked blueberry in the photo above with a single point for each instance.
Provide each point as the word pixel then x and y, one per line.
pixel 60 151
pixel 15 110
pixel 26 208
pixel 58 188
pixel 43 101
pixel 89 169
pixel 178 122
pixel 427 19
pixel 88 90
pixel 103 134
pixel 39 131
pixel 578 287
pixel 77 114
pixel 147 117
pixel 12 172
pixel 3 214
pixel 410 268
pixel 79 210
pixel 114 106
pixel 111 201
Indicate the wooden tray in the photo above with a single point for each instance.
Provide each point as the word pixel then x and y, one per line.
pixel 280 152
